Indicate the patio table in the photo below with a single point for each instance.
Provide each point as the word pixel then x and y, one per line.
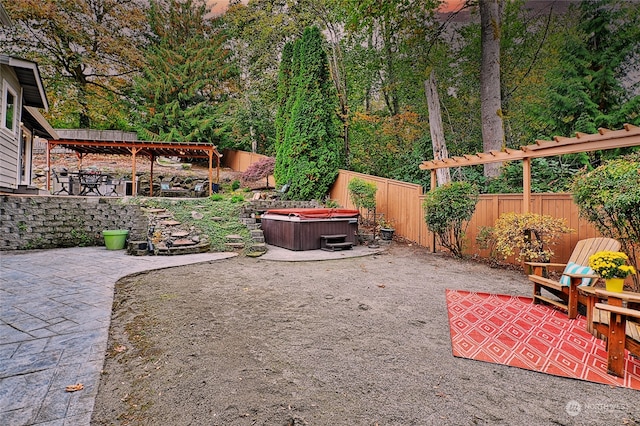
pixel 90 182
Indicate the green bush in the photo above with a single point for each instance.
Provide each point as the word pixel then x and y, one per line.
pixel 528 236
pixel 235 185
pixel 363 195
pixel 609 198
pixel 237 199
pixel 448 210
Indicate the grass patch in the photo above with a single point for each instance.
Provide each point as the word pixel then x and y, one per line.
pixel 221 216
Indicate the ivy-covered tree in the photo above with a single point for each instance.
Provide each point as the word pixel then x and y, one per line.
pixel 311 148
pixel 182 92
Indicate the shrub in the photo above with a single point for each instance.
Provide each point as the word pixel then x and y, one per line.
pixel 448 210
pixel 363 194
pixel 235 185
pixel 528 236
pixel 609 198
pixel 261 169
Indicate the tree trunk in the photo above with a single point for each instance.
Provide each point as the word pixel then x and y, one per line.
pixel 491 108
pixel 435 124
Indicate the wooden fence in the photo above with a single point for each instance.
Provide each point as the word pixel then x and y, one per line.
pixel 401 202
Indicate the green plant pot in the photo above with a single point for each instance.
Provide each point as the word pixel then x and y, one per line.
pixel 115 239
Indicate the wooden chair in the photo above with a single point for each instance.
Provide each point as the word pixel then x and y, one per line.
pixel 566 293
pixel 616 318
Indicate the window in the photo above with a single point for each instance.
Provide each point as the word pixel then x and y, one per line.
pixel 9 107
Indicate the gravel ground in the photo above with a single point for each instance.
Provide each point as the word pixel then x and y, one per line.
pixel 359 341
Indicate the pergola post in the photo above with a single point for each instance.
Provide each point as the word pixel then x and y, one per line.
pixel 434 185
pixel 134 183
pixel 210 172
pixel 153 160
pixel 49 166
pixel 526 185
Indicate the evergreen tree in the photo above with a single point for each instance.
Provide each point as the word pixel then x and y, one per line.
pixel 589 91
pixel 311 151
pixel 182 92
pixel 284 112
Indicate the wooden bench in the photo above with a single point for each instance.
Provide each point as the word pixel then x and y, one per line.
pixel 166 190
pixel 335 242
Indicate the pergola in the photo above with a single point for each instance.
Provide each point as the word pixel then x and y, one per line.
pixel 582 142
pixel 113 143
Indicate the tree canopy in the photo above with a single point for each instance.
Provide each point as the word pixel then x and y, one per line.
pixel 168 69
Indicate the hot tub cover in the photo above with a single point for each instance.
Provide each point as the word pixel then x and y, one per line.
pixel 315 213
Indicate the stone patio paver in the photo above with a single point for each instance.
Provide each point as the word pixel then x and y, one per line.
pixel 55 311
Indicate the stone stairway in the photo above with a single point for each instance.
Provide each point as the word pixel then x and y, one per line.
pixel 167 236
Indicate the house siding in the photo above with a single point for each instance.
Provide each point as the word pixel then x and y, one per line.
pixel 9 142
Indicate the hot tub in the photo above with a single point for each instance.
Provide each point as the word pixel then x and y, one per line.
pixel 300 229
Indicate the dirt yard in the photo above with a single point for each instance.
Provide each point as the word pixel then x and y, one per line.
pixel 361 341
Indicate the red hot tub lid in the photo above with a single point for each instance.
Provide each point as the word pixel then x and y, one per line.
pixel 312 213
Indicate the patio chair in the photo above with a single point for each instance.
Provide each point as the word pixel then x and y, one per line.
pixel 62 179
pixel 199 189
pixel 616 319
pixel 576 273
pixel 112 183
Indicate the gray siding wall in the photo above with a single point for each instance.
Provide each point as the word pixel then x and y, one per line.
pixel 9 145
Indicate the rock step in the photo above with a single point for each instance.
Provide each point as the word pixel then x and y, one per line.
pixel 258 247
pixel 234 238
pixel 234 246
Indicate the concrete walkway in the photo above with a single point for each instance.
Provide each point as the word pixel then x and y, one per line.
pixel 55 310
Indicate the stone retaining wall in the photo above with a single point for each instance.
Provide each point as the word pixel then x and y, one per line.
pixel 35 222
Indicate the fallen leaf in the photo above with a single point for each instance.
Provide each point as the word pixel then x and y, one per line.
pixel 381 285
pixel 73 388
pixel 120 348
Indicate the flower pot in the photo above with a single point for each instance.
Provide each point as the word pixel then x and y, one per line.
pixel 614 284
pixel 115 239
pixel 386 234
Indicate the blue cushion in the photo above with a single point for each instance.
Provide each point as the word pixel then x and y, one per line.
pixel 574 268
pixel 164 185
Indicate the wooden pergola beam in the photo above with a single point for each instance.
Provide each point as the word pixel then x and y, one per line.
pixel 134 148
pixel 605 139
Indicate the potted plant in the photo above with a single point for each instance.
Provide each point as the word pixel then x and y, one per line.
pixel 386 228
pixel 612 266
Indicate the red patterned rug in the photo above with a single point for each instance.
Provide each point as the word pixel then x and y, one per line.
pixel 512 331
